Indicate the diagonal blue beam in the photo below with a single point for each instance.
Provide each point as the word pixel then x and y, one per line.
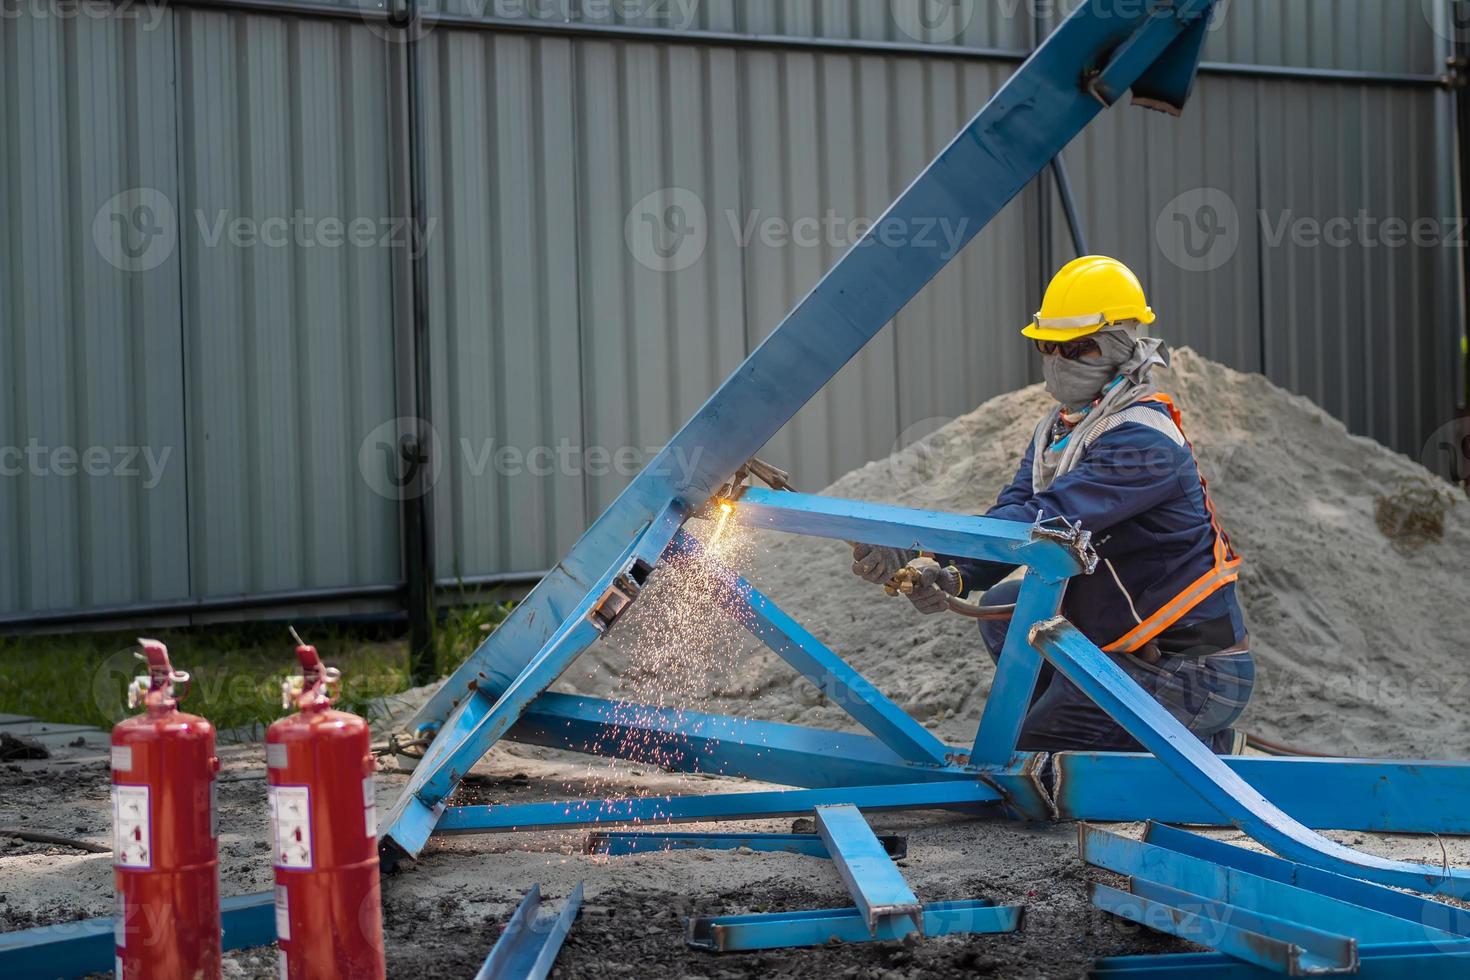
pixel 832 675
pixel 478 722
pixel 1094 672
pixel 1016 673
pixel 1411 796
pixel 1015 135
pixel 715 806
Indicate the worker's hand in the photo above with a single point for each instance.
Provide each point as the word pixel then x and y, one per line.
pixel 933 585
pixel 877 565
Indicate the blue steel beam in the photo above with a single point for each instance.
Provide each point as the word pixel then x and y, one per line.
pixel 1387 961
pixel 529 944
pixel 719 806
pixel 1404 796
pixel 777 930
pixel 1015 673
pixel 832 675
pixel 619 843
pixel 76 949
pixel 876 886
pixel 1021 128
pixel 1094 672
pixel 1277 944
pixel 691 741
pixel 1414 908
pixel 903 527
pixel 1135 859
pixel 478 722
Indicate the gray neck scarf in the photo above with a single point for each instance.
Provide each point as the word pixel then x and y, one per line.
pixel 1127 361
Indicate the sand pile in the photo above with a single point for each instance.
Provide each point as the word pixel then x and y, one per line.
pixel 1360 638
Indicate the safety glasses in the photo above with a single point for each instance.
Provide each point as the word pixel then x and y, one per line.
pixel 1070 350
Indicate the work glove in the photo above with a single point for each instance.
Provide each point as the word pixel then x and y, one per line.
pixel 933 585
pixel 877 565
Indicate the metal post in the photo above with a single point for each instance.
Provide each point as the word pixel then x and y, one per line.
pixel 418 525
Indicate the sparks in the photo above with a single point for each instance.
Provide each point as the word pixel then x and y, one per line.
pixel 726 509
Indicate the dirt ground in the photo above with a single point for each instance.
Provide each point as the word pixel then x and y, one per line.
pixel 443 913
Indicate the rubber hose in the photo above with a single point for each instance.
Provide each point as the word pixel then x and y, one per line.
pixel 976 611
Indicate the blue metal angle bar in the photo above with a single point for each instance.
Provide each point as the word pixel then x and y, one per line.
pixel 1309 949
pixel 1404 796
pixel 692 741
pixel 954 794
pixel 528 946
pixel 1135 859
pixel 1275 943
pixel 876 886
pixel 76 949
pixel 479 721
pixel 902 527
pixel 832 675
pixel 1016 673
pixel 618 843
pixel 1020 129
pixel 1384 961
pixel 1414 908
pixel 1094 672
pixel 777 930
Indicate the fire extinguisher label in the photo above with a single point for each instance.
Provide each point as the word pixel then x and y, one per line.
pixel 132 835
pixel 122 758
pixel 275 755
pixel 283 913
pixel 369 806
pixel 119 921
pixel 281 972
pixel 291 810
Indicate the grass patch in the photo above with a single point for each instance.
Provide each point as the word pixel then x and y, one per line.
pixel 236 670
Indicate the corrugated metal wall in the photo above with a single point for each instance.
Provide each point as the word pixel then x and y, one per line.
pixel 615 223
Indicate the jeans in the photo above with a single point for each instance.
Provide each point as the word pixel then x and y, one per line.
pixel 1205 693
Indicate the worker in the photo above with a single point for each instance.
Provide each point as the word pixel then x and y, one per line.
pixel 1111 455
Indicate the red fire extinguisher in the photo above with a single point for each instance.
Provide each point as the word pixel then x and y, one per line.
pixel 324 833
pixel 165 833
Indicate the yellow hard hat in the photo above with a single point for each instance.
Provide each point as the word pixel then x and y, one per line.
pixel 1086 295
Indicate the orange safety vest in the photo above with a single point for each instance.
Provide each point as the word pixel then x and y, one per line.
pixel 1225 571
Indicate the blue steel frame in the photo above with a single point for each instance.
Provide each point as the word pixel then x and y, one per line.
pixel 1100 51
pixel 1089 61
pixel 528 946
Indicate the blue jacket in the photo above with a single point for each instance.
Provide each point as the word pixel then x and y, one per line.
pixel 1139 493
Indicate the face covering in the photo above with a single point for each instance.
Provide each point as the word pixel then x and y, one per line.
pixel 1076 384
